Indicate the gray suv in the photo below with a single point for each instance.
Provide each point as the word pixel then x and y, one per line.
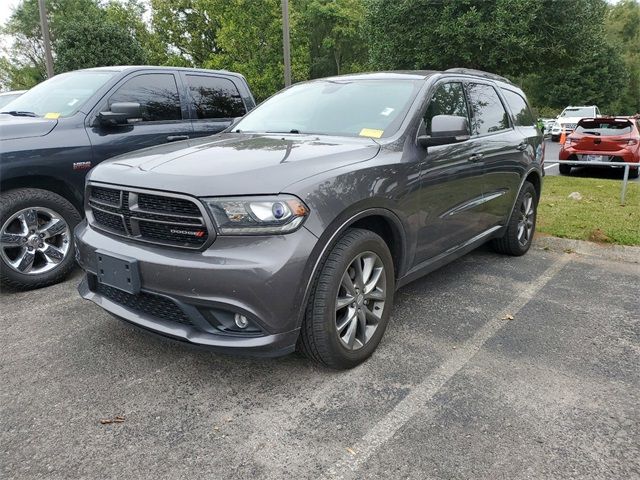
pixel 295 226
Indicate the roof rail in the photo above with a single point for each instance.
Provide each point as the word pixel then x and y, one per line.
pixel 479 73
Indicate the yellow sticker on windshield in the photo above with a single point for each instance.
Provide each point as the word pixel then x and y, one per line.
pixel 371 132
pixel 52 116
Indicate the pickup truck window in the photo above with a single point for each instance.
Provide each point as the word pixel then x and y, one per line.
pixel 62 95
pixel 214 97
pixel 157 94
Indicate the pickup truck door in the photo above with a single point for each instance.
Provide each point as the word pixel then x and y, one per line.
pixel 164 116
pixel 214 102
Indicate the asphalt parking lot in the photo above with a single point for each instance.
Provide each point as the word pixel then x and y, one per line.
pixel 456 389
pixel 552 152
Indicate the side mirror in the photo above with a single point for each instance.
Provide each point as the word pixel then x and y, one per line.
pixel 446 129
pixel 121 113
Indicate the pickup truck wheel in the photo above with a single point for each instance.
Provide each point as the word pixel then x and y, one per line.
pixel 522 224
pixel 349 307
pixel 36 243
pixel 564 169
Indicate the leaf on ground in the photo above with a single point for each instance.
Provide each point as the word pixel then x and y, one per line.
pixel 508 316
pixel 351 451
pixel 106 421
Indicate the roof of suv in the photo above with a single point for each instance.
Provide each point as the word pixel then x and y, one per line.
pixel 126 68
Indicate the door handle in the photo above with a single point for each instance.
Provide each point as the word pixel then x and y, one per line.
pixel 175 138
pixel 523 146
pixel 476 157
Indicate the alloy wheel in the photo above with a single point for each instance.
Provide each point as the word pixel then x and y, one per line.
pixel 34 240
pixel 360 300
pixel 527 217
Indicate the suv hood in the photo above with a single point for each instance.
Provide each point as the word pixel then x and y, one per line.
pixel 24 127
pixel 563 120
pixel 233 164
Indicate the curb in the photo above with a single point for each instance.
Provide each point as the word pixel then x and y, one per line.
pixel 618 253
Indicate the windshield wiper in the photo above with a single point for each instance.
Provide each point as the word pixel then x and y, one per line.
pixel 16 113
pixel 293 130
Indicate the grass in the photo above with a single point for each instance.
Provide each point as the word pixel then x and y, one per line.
pixel 598 217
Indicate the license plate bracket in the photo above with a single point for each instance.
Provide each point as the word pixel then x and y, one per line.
pixel 118 271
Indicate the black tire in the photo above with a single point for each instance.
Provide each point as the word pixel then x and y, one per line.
pixel 319 339
pixel 564 169
pixel 634 172
pixel 555 138
pixel 510 243
pixel 12 202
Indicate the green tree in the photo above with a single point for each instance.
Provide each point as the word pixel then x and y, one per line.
pixel 623 31
pixel 335 36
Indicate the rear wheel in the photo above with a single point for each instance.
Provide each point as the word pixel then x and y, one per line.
pixel 564 169
pixel 518 236
pixel 633 172
pixel 349 308
pixel 36 244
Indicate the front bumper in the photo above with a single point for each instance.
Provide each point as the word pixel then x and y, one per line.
pixel 185 292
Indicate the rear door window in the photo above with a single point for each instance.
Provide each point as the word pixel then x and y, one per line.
pixel 157 94
pixel 448 99
pixel 214 97
pixel 487 112
pixel 600 128
pixel 519 108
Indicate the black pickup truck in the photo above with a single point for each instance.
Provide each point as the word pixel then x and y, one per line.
pixel 53 134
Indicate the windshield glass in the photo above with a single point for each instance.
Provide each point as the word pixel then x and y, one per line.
pixel 8 98
pixel 368 108
pixel 60 96
pixel 578 112
pixel 602 128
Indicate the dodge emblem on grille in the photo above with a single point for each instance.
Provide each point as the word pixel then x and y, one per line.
pixel 195 233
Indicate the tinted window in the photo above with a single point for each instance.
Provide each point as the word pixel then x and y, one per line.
pixel 604 128
pixel 448 99
pixel 520 109
pixel 487 113
pixel 213 97
pixel 157 94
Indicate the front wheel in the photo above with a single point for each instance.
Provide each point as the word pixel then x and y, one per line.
pixel 36 244
pixel 349 307
pixel 518 236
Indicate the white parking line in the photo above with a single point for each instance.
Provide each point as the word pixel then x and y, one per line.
pixel 416 401
pixel 551 166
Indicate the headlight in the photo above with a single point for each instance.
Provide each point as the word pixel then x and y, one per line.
pixel 257 215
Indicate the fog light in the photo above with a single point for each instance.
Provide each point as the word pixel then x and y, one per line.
pixel 241 320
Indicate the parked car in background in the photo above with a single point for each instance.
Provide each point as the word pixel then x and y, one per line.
pixel 53 134
pixel 296 225
pixel 8 97
pixel 569 118
pixel 605 139
pixel 548 125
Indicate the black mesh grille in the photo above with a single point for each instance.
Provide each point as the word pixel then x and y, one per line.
pixel 113 222
pixel 158 203
pixel 147 303
pixel 154 218
pixel 163 232
pixel 106 195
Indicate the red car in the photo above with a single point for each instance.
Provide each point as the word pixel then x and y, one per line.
pixel 605 139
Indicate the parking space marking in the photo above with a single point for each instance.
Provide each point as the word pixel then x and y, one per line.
pixel 551 166
pixel 416 400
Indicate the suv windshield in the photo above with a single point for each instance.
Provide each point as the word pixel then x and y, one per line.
pixel 60 96
pixel 604 128
pixel 368 108
pixel 578 112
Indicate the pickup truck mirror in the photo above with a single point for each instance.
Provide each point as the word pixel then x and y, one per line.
pixel 446 129
pixel 120 114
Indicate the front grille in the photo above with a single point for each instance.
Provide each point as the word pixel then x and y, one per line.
pixel 147 303
pixel 155 218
